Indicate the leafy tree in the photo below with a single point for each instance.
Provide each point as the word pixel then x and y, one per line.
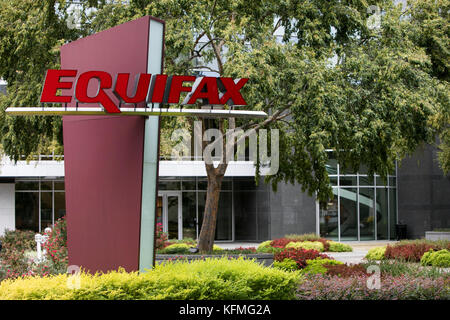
pixel 430 30
pixel 331 80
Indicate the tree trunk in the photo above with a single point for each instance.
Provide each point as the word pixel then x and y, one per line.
pixel 208 230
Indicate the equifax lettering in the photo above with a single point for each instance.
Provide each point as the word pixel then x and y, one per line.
pixel 157 88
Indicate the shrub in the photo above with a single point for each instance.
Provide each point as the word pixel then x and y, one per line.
pixel 286 265
pixel 196 280
pixel 346 271
pixel 216 248
pixel 439 258
pixel 176 248
pixel 319 265
pixel 408 251
pixel 324 287
pixel 299 256
pixel 281 243
pixel 264 246
pixel 308 245
pixel 56 245
pixel 18 240
pixel 13 262
pixel 161 237
pixel 376 253
pixel 339 247
pixel 398 268
pixel 303 237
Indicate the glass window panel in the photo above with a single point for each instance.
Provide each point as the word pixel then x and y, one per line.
pixel 60 205
pixel 346 170
pixel 347 180
pixel 349 214
pixel 189 215
pixel 329 218
pixel 366 213
pixel 46 210
pixel 27 185
pixel 47 185
pixel 59 185
pixel 245 215
pixel 226 184
pixel 27 211
pixel 365 181
pixel 202 184
pixel 172 216
pixel 333 181
pixel 331 166
pixel 188 184
pixel 381 181
pixel 169 185
pixel 224 216
pixel 244 184
pixel 382 214
pixel 393 212
pixel 392 181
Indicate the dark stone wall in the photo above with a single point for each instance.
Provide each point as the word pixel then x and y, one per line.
pixel 292 211
pixel 262 214
pixel 423 193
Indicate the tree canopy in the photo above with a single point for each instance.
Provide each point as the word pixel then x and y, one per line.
pixel 327 77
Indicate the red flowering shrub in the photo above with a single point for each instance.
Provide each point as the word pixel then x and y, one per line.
pixel 299 256
pixel 326 244
pixel 345 271
pixel 13 263
pixel 56 244
pixel 161 237
pixel 408 251
pixel 281 243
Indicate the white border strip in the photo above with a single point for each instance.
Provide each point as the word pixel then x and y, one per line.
pixel 55 111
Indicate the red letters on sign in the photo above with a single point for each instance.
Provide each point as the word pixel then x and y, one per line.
pixel 52 84
pixel 147 89
pixel 104 82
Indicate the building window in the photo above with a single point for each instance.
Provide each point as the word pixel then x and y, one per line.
pixel 39 203
pixel 363 208
pixel 182 202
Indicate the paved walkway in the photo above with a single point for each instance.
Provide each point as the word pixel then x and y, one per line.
pixel 360 249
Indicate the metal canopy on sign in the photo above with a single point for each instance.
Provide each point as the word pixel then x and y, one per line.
pixel 62 111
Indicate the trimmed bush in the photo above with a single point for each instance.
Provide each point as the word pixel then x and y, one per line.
pixel 339 247
pixel 376 253
pixel 308 245
pixel 300 256
pixel 319 265
pixel 286 265
pixel 264 245
pixel 408 252
pixel 439 258
pixel 303 237
pixel 195 280
pixel 175 248
pixel 346 270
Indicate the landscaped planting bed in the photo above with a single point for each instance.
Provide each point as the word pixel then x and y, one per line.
pixel 301 269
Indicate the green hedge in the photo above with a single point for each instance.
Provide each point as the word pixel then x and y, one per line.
pixel 307 245
pixel 376 253
pixel 339 247
pixel 439 258
pixel 195 280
